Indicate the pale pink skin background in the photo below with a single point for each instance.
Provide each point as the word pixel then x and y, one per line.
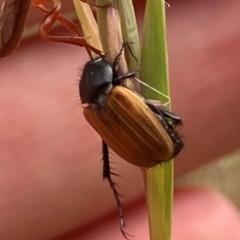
pixel 51 174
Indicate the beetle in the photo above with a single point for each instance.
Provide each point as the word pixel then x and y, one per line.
pixel 142 133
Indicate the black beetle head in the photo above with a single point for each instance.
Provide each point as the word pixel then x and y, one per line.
pixel 96 78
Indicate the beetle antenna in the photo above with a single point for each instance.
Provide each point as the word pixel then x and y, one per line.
pixel 107 174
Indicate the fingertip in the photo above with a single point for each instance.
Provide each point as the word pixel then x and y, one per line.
pixel 202 214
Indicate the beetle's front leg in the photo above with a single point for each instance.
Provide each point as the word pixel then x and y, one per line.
pixel 50 19
pixel 107 175
pixel 118 79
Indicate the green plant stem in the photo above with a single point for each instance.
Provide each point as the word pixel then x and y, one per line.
pixel 154 71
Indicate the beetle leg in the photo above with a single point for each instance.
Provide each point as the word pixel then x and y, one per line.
pixel 168 116
pixel 176 138
pixel 107 174
pixel 98 6
pixel 171 116
pixel 119 79
pixel 116 60
pixel 169 121
pixel 50 19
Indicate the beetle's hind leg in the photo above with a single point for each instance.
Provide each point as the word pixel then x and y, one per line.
pixel 107 174
pixel 169 121
pixel 171 118
pixel 174 135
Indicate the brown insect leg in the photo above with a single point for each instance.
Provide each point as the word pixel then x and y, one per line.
pixel 169 121
pixel 50 19
pixel 107 174
pixel 98 6
pixel 119 79
pixel 71 26
pixel 164 113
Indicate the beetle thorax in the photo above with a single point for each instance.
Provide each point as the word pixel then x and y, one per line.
pixel 96 81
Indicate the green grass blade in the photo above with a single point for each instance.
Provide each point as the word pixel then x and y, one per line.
pixel 154 62
pixel 108 22
pixel 129 31
pixel 154 71
pixel 88 24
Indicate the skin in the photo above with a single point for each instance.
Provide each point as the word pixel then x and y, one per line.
pixel 202 214
pixel 191 205
pixel 51 171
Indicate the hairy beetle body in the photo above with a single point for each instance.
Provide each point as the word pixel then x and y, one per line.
pixel 131 129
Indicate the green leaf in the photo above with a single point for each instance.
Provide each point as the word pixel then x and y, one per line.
pixel 108 22
pixel 154 71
